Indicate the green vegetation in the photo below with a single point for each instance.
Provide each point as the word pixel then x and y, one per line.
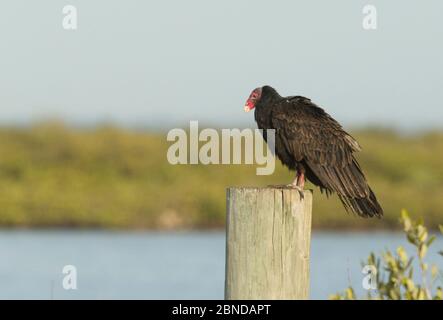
pixel 51 176
pixel 393 273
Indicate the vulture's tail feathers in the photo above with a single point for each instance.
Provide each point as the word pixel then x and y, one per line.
pixel 364 207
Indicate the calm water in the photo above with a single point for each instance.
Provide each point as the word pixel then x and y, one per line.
pixel 151 265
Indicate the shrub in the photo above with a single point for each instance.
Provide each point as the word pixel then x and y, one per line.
pixel 394 272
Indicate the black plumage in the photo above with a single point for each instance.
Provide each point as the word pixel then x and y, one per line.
pixel 312 143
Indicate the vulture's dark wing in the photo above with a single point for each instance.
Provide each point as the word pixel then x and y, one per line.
pixel 317 140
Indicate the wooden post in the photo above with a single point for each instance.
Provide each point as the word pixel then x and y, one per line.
pixel 268 234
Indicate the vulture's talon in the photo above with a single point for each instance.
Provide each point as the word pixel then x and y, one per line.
pixel 299 189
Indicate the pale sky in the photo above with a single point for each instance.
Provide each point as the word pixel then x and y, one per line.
pixel 168 62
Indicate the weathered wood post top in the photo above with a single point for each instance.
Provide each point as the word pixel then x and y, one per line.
pixel 268 233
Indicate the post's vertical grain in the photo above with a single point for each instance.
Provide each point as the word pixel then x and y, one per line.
pixel 268 233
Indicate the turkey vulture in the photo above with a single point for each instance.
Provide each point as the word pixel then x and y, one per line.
pixel 310 142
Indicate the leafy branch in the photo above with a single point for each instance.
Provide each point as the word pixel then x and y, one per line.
pixel 394 272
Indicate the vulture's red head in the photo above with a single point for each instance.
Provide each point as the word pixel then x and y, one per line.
pixel 254 97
